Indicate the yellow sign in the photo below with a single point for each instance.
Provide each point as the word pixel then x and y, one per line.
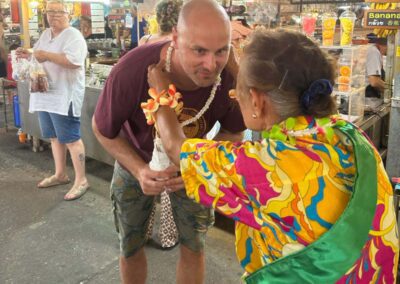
pixel 382 19
pixel 398 51
pixel 382 1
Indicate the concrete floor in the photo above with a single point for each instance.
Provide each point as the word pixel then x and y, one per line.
pixel 44 239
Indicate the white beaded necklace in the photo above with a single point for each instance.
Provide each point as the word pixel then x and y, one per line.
pixel 209 100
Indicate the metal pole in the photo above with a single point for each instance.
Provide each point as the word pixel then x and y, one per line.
pixel 393 156
pixel 138 23
pixel 25 37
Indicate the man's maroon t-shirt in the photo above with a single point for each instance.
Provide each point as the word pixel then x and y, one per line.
pixel 118 110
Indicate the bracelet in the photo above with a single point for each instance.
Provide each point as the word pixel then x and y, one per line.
pixel 168 97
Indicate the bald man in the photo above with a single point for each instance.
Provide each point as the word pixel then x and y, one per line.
pixel 199 52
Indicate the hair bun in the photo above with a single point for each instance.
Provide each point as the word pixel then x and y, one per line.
pixel 320 87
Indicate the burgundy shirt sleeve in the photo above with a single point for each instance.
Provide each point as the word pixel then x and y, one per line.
pixel 117 102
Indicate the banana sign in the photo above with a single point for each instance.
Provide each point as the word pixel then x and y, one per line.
pixel 382 19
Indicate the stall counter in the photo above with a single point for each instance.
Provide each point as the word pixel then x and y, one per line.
pixel 30 123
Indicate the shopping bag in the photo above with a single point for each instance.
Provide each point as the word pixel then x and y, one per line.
pixel 38 77
pixel 167 236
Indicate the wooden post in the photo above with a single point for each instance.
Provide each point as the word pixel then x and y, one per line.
pixel 117 34
pixel 25 37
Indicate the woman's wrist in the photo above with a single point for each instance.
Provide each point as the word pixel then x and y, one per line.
pixel 166 97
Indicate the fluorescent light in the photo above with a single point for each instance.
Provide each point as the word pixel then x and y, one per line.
pixel 90 1
pixel 33 4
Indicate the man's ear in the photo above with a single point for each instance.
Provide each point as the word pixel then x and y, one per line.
pixel 257 101
pixel 175 37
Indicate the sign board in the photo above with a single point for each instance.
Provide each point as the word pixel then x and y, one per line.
pixel 97 12
pixel 382 19
pixel 382 1
pixel 305 2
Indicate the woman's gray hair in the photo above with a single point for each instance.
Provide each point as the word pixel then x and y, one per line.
pixel 284 65
pixel 58 2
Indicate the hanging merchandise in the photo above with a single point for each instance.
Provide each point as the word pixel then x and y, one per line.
pixel 153 25
pixel 128 21
pixel 85 9
pixel 15 12
pixel 77 10
pixel 263 13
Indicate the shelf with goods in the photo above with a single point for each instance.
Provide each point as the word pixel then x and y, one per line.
pixel 350 82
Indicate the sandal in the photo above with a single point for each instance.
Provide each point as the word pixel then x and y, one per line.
pixel 52 181
pixel 76 192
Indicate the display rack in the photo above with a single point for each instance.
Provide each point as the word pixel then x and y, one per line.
pixel 349 89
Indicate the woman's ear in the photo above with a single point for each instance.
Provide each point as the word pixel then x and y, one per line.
pixel 257 101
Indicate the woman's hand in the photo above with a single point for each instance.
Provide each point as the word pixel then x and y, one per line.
pixel 157 77
pixel 22 53
pixel 40 55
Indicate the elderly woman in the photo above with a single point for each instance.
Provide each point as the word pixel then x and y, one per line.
pixel 311 201
pixel 61 50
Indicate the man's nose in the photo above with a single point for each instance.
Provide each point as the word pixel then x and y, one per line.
pixel 209 62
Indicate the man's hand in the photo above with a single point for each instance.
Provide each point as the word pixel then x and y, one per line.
pixel 155 182
pixel 22 53
pixel 157 77
pixel 175 182
pixel 40 55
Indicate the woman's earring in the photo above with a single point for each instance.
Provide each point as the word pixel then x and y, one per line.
pixel 254 116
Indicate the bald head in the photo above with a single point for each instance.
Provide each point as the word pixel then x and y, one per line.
pixel 194 12
pixel 201 41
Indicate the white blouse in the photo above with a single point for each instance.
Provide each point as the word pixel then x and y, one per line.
pixel 66 86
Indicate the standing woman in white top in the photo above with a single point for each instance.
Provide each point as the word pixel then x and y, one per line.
pixel 61 50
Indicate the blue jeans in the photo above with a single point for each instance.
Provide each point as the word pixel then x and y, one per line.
pixel 66 128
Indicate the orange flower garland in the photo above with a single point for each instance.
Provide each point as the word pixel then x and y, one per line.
pixel 165 98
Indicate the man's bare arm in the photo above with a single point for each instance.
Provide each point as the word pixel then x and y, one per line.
pixel 122 151
pixel 376 82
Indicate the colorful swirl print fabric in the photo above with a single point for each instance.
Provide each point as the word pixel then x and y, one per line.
pixel 284 196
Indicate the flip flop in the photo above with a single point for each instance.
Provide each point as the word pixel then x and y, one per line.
pixel 76 192
pixel 52 181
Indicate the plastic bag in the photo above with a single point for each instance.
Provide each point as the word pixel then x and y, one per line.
pixel 39 80
pixel 20 67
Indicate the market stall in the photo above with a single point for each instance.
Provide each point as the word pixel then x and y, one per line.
pixel 339 27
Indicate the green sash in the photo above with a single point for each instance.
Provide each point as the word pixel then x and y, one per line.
pixel 329 258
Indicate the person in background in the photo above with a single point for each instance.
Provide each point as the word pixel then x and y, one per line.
pixel 134 30
pixel 167 12
pixel 197 57
pixel 312 201
pixel 107 30
pixel 3 54
pixel 61 50
pixel 85 25
pixel 374 66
